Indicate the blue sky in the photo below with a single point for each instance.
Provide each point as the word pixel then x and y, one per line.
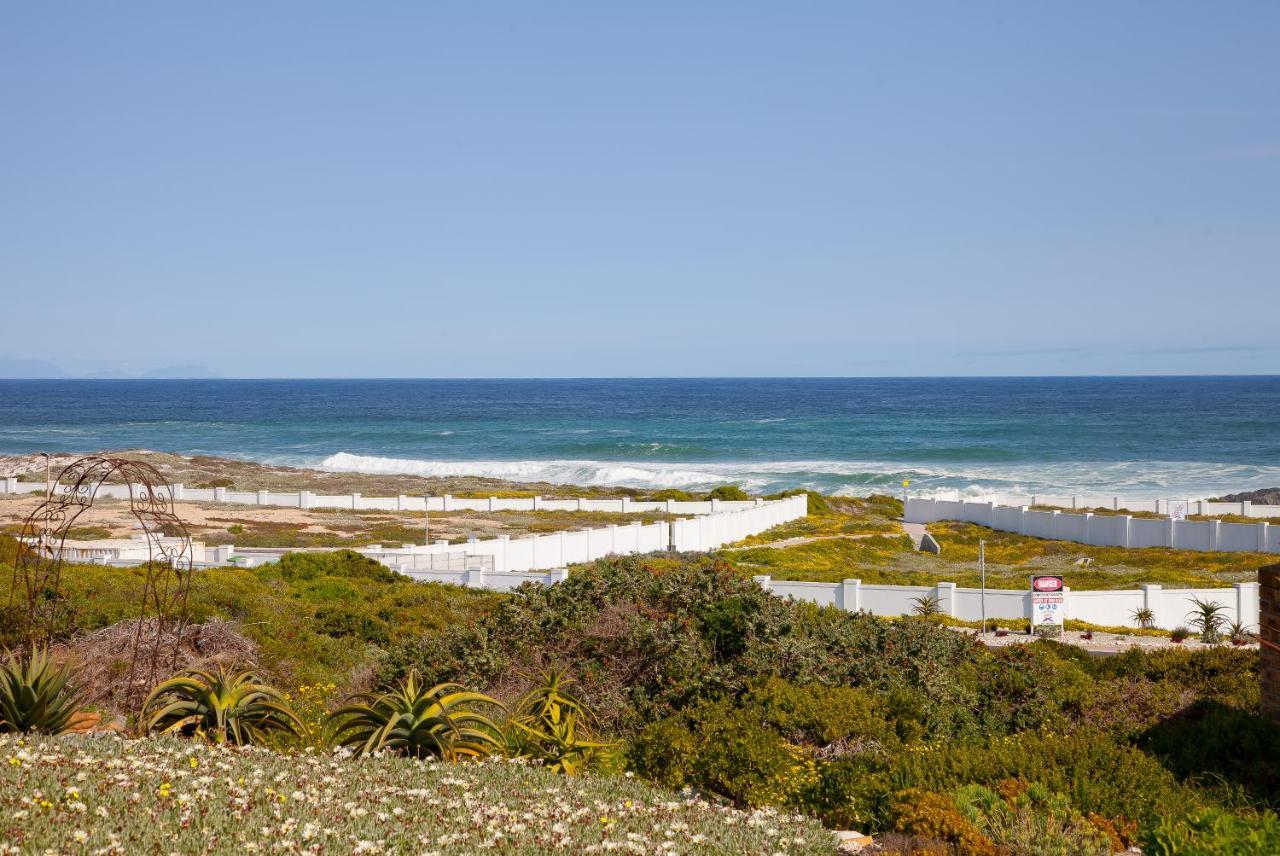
pixel 569 189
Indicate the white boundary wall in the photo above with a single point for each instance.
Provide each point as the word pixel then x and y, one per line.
pixel 718 523
pixel 1107 608
pixel 358 502
pixel 558 549
pixel 1103 530
pixel 1201 507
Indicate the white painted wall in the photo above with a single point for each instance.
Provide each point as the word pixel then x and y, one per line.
pixel 1103 530
pixel 1108 608
pixel 1120 503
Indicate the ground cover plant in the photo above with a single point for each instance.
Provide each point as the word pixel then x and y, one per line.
pixel 165 795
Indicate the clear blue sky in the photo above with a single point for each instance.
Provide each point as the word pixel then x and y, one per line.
pixel 552 189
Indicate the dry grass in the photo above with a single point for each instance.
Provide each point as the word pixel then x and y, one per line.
pixel 102 658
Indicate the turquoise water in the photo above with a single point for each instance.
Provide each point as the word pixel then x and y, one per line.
pixel 1131 436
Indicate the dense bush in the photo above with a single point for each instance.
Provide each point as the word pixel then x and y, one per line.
pixel 646 642
pixel 1212 832
pixel 728 493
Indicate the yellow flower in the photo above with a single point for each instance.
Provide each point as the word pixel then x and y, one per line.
pixel 194 763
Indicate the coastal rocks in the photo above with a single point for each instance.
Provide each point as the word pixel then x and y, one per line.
pixel 1265 496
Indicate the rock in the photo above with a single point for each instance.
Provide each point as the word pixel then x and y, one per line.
pixel 851 842
pixel 929 545
pixel 83 721
pixel 1265 496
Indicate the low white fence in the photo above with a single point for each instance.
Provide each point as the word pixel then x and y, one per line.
pixel 558 549
pixel 405 502
pixel 1171 607
pixel 1201 507
pixel 1103 530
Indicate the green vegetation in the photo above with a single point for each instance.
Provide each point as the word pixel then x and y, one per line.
pixel 713 684
pixel 171 796
pixel 419 721
pixel 316 617
pixel 36 695
pixel 226 707
pixel 1011 558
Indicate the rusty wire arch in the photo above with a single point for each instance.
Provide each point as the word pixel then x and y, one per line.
pixel 37 572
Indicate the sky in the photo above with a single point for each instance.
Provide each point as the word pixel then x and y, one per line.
pixel 650 189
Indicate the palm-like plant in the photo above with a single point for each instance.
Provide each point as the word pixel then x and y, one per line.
pixel 551 725
pixel 1207 619
pixel 420 722
pixel 222 706
pixel 1239 633
pixel 926 606
pixel 1144 617
pixel 36 695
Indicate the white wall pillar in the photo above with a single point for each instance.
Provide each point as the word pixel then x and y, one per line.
pixel 537 503
pixel 446 502
pixel 264 497
pixel 1245 506
pixel 671 506
pixel 1022 520
pixel 1170 531
pixel 1262 536
pixel 1214 533
pixel 1088 524
pixel 504 546
pixel 219 494
pixel 626 505
pixel 1126 526
pixel 763 581
pixel 1247 604
pixel 1153 599
pixel 850 595
pixel 306 499
pixel 557 575
pixel 946 594
pixel 178 489
pixel 401 500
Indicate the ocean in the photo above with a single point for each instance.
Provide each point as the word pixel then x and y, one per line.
pixel 1137 437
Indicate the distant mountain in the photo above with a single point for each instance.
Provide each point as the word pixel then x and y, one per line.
pixel 14 369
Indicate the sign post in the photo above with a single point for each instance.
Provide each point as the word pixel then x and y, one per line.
pixel 982 566
pixel 1048 603
pixel 906 483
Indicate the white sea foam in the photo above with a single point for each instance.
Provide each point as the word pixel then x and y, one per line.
pixel 1127 478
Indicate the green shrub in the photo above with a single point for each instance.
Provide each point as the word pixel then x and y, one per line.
pixel 1032 821
pixel 1220 747
pixel 1212 832
pixel 1098 774
pixel 721 749
pixel 672 494
pixel 728 493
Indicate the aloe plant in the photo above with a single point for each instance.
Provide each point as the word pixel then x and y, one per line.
pixel 552 726
pixel 1144 617
pixel 222 706
pixel 420 722
pixel 1207 619
pixel 926 606
pixel 1239 633
pixel 36 695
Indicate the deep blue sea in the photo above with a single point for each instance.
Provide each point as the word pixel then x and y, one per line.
pixel 1132 436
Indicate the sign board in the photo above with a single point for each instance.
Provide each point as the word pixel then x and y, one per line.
pixel 1178 508
pixel 1048 601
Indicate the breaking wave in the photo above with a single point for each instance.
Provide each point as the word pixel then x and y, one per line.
pixel 852 478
